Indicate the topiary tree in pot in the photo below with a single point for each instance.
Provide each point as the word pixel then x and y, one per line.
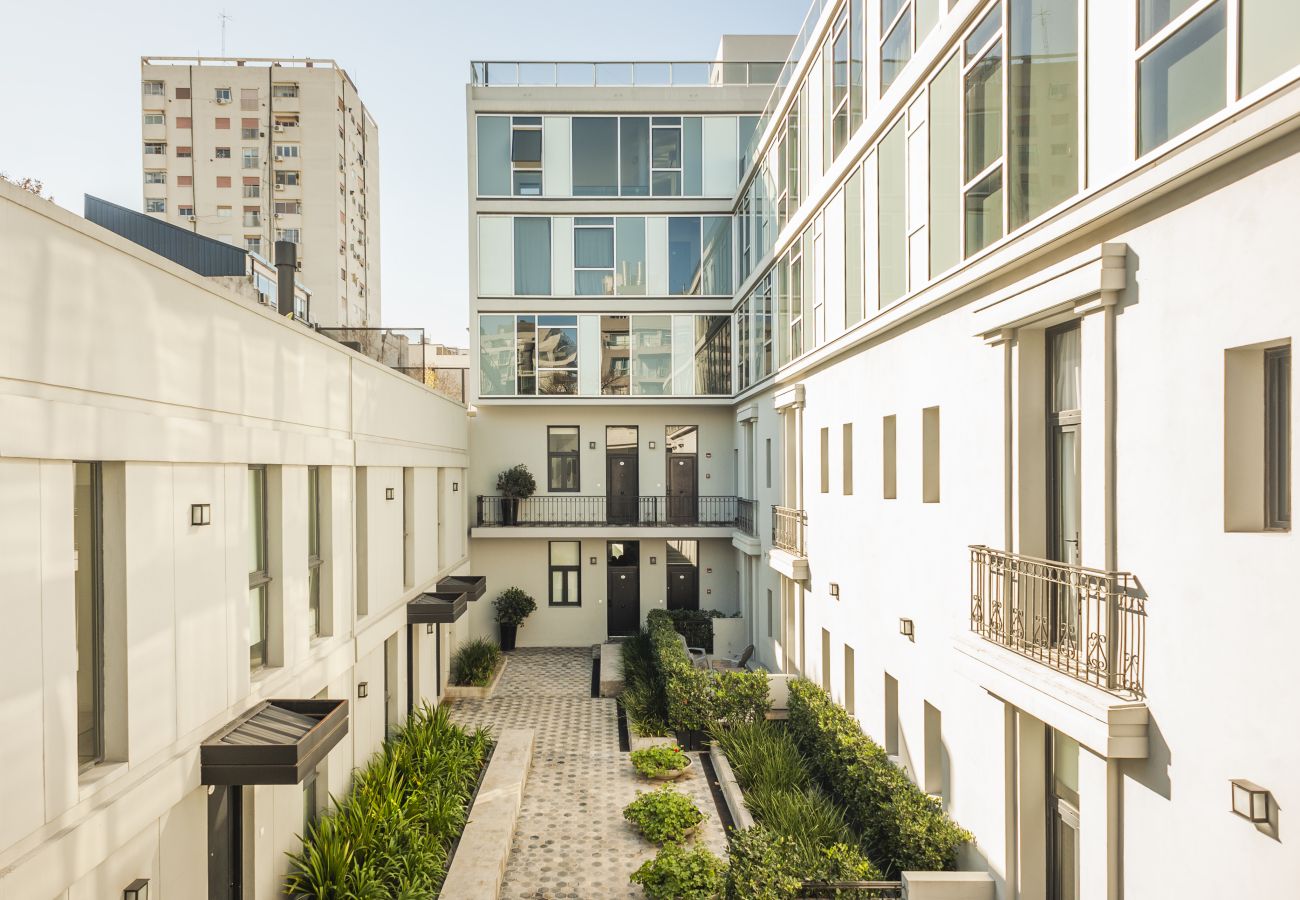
pixel 514 484
pixel 513 605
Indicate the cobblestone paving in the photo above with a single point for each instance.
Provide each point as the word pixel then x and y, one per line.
pixel 572 840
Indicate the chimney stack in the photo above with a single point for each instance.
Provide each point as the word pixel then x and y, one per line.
pixel 286 268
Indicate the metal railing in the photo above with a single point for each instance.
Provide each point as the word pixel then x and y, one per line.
pixel 577 510
pixel 619 73
pixel 1086 623
pixel 745 516
pixel 859 890
pixel 788 527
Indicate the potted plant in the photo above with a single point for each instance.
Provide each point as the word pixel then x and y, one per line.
pixel 514 484
pixel 512 607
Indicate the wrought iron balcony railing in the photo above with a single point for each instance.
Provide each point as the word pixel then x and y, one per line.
pixel 745 516
pixel 577 510
pixel 788 527
pixel 1087 623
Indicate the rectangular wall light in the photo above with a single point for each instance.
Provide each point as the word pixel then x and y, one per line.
pixel 1249 800
pixel 200 513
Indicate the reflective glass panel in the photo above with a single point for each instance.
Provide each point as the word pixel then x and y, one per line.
pixel 1184 80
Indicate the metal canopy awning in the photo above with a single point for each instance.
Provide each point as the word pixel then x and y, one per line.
pixel 275 742
pixel 435 608
pixel 472 586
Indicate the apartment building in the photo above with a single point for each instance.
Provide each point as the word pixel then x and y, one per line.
pixel 251 151
pixel 219 528
pixel 1005 403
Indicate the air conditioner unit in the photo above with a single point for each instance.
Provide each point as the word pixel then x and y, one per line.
pixel 192 218
pixel 277 127
pixel 279 187
pixel 298 265
pixel 279 215
pixel 222 101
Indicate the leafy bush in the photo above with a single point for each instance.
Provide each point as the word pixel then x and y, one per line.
pixel 643 691
pixel 809 818
pixel 761 865
pixel 740 697
pixel 474 663
pixel 517 482
pixel 702 699
pixel 513 605
pixel 902 827
pixel 696 625
pixel 663 815
pixel 389 837
pixel 677 874
pixel 660 760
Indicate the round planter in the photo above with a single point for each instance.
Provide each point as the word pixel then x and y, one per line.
pixel 508 636
pixel 674 775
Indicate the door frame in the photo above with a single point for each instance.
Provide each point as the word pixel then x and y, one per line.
pixel 625 570
pixel 633 514
pixel 1061 595
pixel 219 885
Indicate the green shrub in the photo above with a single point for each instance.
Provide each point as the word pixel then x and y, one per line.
pixel 762 865
pixel 513 605
pixel 740 697
pixel 660 760
pixel 677 874
pixel 843 862
pixel 702 699
pixel 517 482
pixel 902 827
pixel 389 837
pixel 763 755
pixel 809 818
pixel 663 815
pixel 696 625
pixel 643 693
pixel 474 662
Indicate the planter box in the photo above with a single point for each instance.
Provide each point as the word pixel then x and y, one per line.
pixel 640 743
pixel 731 792
pixel 692 740
pixel 465 692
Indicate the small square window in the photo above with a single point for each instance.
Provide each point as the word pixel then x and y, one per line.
pixel 155 205
pixel 223 153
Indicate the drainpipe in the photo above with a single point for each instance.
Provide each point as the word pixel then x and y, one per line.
pixel 286 260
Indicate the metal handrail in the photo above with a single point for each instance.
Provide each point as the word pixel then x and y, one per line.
pixel 745 516
pixel 788 529
pixel 865 890
pixel 1087 623
pixel 623 73
pixel 598 510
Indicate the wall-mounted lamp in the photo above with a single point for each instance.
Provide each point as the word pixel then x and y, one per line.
pixel 136 890
pixel 428 628
pixel 654 560
pixel 652 445
pixel 906 628
pixel 455 486
pixel 708 570
pixel 835 589
pixel 593 560
pixel 363 690
pixel 200 513
pixel 389 494
pixel 1249 800
pixel 591 445
pixel 708 455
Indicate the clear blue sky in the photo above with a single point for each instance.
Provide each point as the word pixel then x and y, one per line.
pixel 72 70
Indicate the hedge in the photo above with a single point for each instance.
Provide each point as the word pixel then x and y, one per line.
pixel 902 827
pixel 702 699
pixel 696 625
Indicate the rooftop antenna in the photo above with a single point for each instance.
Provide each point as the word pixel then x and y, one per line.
pixel 223 19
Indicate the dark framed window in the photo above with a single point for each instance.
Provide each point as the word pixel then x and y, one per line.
pixel 87 519
pixel 565 573
pixel 314 559
pixel 562 473
pixel 1277 438
pixel 259 576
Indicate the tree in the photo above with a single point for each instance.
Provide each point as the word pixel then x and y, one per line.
pixel 30 185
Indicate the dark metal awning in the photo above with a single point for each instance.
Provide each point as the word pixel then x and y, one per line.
pixel 275 742
pixel 436 608
pixel 472 586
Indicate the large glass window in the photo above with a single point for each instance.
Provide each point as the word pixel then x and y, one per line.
pixel 593 255
pixel 652 355
pixel 259 577
pixel 634 156
pixel 839 100
pixel 666 156
pixel 595 156
pixel 1043 101
pixel 1184 79
pixel 892 214
pixel 630 272
pixel 87 543
pixel 684 276
pixel 983 113
pixel 945 168
pixel 713 355
pixel 717 255
pixel 496 355
pixel 562 458
pixel 896 48
pixel 853 249
pixel 1270 40
pixel 314 560
pixel 557 355
pixel 526 156
pixel 532 255
pixel 615 355
pixel 565 573
pixel 796 300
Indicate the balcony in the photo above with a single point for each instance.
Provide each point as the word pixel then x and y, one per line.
pixel 641 73
pixel 788 526
pixel 1085 623
pixel 574 511
pixel 745 517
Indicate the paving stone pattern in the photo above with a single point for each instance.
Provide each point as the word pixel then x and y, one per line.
pixel 572 840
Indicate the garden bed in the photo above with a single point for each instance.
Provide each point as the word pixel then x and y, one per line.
pixel 474 692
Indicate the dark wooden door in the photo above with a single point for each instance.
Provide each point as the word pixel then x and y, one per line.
pixel 225 865
pixel 623 596
pixel 683 503
pixel 621 485
pixel 683 587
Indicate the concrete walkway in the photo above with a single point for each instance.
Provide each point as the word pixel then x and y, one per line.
pixel 572 839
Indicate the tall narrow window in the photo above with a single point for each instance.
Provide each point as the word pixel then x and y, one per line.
pixel 768 448
pixel 615 355
pixel 565 573
pixel 945 167
pixel 889 453
pixel 896 48
pixel 853 249
pixel 847 457
pixel 595 156
pixel 526 156
pixel 532 255
pixel 630 262
pixel 840 84
pixel 769 612
pixel 826 661
pixel 408 527
pixel 562 458
pixel 684 262
pixel 666 155
pixel 634 156
pixel 87 533
pixel 933 749
pixel 593 255
pixel 850 702
pixel 1184 79
pixel 982 86
pixel 892 214
pixel 930 455
pixel 825 460
pixel 1277 437
pixel 891 715
pixel 259 577
pixel 314 560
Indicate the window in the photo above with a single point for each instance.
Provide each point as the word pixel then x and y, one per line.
pixel 557 354
pixel 565 573
pixel 1268 44
pixel 716 251
pixel 684 273
pixel 259 578
pixel 849 701
pixel 223 181
pixel 652 355
pixel 666 156
pixel 281 122
pixel 982 175
pixel 248 98
pixel 87 534
pixel 293 235
pixel 224 211
pixel 222 124
pixel 253 243
pixel 252 216
pixel 155 205
pixel 944 122
pixel 769 463
pixel 185 211
pixel 892 214
pixel 249 130
pixel 185 181
pixel 593 255
pixel 252 188
pixel 630 255
pixel 153 89
pixel 1184 79
pixel 287 178
pixel 769 612
pixel 286 151
pixel 1277 438
pixel 889 452
pixel 222 95
pixel 314 560
pixel 532 255
pixel 526 156
pixel 826 661
pixel 595 156
pixel 288 207
pixel 182 152
pixel 853 297
pixel 223 153
pixel 154 118
pixel 846 460
pixel 184 122
pixel 493 156
pixel 838 97
pixel 896 47
pixel 285 90
pixel 156 176
pixel 825 446
pixel 930 455
pixel 713 355
pixel 562 458
pixel 634 156
pixel 891 715
pixel 182 93
pixel 252 159
pixel 155 148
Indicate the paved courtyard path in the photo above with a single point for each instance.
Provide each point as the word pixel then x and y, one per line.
pixel 572 840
